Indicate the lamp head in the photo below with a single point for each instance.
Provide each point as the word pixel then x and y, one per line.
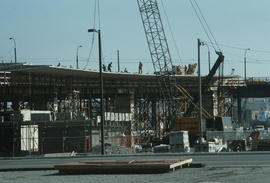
pixel 92 30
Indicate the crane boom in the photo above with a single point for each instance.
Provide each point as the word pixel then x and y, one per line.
pixel 206 81
pixel 159 52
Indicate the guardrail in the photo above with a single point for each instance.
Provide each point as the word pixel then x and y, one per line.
pixel 234 82
pixel 258 80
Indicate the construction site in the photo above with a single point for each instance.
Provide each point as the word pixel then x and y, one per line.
pixel 47 109
pixel 50 109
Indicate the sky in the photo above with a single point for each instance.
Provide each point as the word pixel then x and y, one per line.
pixel 47 32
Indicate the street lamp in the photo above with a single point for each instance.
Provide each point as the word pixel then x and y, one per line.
pixel 101 90
pixel 77 57
pixel 200 89
pixel 245 63
pixel 14 48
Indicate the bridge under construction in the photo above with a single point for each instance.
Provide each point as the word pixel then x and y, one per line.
pixel 56 109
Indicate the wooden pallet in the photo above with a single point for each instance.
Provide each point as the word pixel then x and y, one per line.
pixel 122 166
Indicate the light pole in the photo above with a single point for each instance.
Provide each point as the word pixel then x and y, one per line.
pixel 118 60
pixel 11 38
pixel 101 90
pixel 200 90
pixel 77 56
pixel 245 63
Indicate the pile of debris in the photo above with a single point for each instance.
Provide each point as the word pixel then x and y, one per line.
pixel 213 145
pixel 178 142
pixel 184 70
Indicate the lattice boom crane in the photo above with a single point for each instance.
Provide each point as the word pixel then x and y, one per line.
pixel 160 53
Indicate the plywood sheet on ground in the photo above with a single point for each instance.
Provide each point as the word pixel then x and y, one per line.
pixel 122 166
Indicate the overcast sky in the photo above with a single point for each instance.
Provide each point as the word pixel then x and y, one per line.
pixel 49 31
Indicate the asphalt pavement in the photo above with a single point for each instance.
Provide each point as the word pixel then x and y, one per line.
pixel 239 159
pixel 219 167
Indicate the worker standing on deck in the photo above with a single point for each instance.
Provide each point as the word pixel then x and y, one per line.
pixel 110 67
pixel 104 67
pixel 140 67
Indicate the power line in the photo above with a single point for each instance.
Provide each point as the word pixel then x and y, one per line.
pixel 93 36
pixel 208 27
pixel 171 32
pixel 240 48
pixel 201 22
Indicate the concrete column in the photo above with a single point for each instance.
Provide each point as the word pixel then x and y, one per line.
pixel 132 121
pixel 215 101
pixel 239 110
pixel 89 105
pixel 154 114
pixel 158 112
pixel 5 106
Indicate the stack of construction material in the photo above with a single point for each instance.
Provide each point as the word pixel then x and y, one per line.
pixel 214 145
pixel 179 141
pixel 205 147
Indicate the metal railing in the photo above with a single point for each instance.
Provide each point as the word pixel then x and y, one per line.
pixel 258 81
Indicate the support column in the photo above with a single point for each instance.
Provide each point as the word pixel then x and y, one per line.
pixel 154 115
pixel 63 144
pixel 86 143
pixel 132 121
pixel 5 106
pixel 215 101
pixel 239 110
pixel 42 146
pixel 159 119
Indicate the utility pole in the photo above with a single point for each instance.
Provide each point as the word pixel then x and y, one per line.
pixel 200 89
pixel 245 63
pixel 118 60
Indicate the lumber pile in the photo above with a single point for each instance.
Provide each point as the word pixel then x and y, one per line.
pixel 152 166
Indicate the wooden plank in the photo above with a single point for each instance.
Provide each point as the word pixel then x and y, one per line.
pixel 122 166
pixel 181 163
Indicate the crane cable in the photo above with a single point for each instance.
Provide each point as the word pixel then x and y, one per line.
pixel 204 25
pixel 171 32
pixel 207 25
pixel 96 11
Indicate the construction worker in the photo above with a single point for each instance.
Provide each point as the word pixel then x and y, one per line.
pixel 110 67
pixel 140 67
pixel 104 67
